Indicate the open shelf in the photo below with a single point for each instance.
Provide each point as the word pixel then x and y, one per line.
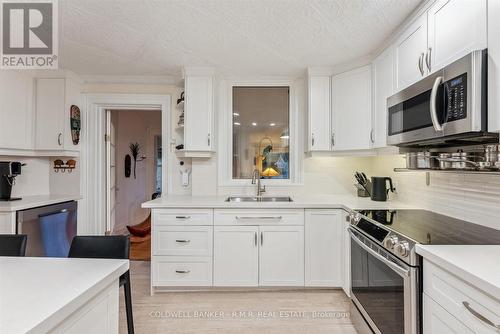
pixel 455 171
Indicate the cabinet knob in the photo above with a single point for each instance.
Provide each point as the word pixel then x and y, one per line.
pixel 208 140
pixel 333 138
pixel 312 139
pixel 59 139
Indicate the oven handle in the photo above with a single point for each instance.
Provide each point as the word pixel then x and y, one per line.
pixel 435 122
pixel 400 270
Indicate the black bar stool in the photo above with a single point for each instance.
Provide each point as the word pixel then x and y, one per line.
pixel 13 244
pixel 107 247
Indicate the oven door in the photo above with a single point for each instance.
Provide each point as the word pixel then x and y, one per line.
pixel 384 289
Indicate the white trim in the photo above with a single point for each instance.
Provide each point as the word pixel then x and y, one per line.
pixel 93 183
pixel 128 79
pixel 226 132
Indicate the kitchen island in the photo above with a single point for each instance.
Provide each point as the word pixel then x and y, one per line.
pixel 59 295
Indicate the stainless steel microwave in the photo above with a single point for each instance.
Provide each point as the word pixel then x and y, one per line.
pixel 448 106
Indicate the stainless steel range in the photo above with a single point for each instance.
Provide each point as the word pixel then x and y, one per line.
pixel 386 272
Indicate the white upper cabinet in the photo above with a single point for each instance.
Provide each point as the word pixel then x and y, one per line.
pixel 199 110
pixel 455 28
pixel 493 65
pixel 50 114
pixel 16 111
pixel 351 109
pixel 410 49
pixel 319 113
pixel 383 80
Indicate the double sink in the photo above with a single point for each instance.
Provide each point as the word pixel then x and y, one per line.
pixel 259 199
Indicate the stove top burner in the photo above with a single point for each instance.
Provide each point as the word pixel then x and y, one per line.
pixel 429 228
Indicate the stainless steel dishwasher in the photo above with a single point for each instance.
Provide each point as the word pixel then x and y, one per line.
pixel 50 229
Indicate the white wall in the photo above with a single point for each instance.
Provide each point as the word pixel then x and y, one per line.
pixel 130 127
pixel 470 197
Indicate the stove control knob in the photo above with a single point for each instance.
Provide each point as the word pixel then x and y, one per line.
pixel 402 248
pixel 357 217
pixel 391 241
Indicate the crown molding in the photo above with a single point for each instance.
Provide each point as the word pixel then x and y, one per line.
pixel 130 79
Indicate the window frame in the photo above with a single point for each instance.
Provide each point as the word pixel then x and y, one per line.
pixel 225 171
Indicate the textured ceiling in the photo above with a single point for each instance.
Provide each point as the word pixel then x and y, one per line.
pixel 239 37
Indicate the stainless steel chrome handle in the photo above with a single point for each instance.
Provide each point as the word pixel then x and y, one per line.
pixel 400 270
pixel 480 316
pixel 182 217
pixel 371 136
pixel 183 271
pixel 421 63
pixel 312 139
pixel 208 139
pixel 435 122
pixel 183 241
pixel 52 213
pixel 59 139
pixel 262 238
pixel 428 59
pixel 333 138
pixel 262 217
pixel 255 239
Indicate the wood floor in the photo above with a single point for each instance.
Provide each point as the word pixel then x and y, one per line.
pixel 262 312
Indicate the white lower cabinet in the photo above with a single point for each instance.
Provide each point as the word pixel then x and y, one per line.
pixel 182 271
pixel 236 256
pixel 281 256
pixel 323 248
pixel 452 305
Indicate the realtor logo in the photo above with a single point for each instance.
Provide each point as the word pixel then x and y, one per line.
pixel 29 34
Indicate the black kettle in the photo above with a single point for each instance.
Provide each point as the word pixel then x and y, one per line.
pixel 379 189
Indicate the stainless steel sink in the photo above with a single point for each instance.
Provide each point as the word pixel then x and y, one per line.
pixel 259 199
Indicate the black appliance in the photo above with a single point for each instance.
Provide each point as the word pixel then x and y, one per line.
pixel 386 271
pixel 50 229
pixel 447 108
pixel 9 170
pixel 379 189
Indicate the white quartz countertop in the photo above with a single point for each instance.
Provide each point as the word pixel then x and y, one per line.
pixel 28 202
pixel 36 294
pixel 299 202
pixel 476 264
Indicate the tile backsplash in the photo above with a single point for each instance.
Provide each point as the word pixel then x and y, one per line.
pixel 470 197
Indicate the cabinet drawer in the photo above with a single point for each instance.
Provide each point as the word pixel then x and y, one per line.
pixel 438 321
pixel 451 293
pixel 182 271
pixel 259 217
pixel 182 217
pixel 183 240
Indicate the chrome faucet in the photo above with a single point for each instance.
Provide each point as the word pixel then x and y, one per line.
pixel 256 180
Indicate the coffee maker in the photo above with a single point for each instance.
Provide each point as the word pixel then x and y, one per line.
pixel 8 172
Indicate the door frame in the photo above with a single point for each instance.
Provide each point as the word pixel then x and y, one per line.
pixel 93 154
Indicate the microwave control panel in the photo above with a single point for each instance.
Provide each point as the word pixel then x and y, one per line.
pixel 456 98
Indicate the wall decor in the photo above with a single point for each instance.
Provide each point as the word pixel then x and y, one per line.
pixel 76 125
pixel 135 149
pixel 128 163
pixel 62 166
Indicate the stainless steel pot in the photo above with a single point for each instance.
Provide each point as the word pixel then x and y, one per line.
pixel 444 161
pixel 411 160
pixel 491 153
pixel 426 160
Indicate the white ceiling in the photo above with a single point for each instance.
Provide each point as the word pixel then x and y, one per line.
pixel 237 37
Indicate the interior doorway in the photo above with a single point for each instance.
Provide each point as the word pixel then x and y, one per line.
pixel 133 174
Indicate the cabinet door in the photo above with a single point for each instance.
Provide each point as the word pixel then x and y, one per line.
pixel 383 87
pixel 493 66
pixel 49 114
pixel 236 256
pixel 281 256
pixel 16 110
pixel 456 27
pixel 319 137
pixel 351 109
pixel 323 248
pixel 199 108
pixel 438 321
pixel 410 51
